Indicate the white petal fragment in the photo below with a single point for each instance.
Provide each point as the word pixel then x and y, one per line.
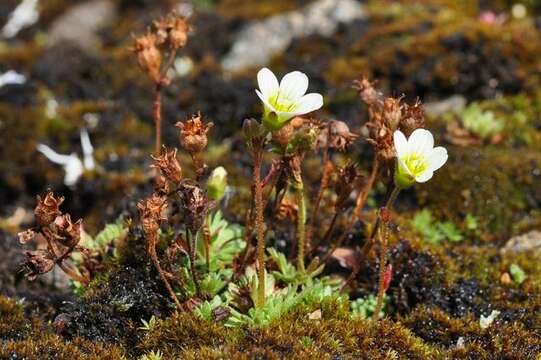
pixel 421 141
pixel 267 81
pixel 400 143
pixel 308 103
pixel 437 158
pixel 424 177
pixel 294 85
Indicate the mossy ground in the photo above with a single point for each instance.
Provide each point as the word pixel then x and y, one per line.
pixel 438 291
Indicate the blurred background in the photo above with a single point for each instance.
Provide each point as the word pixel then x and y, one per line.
pixel 71 89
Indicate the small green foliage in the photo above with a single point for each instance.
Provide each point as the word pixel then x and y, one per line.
pixel 275 307
pixel 450 231
pixel 152 356
pixel 282 301
pixel 214 282
pixel 434 231
pixel 106 238
pixel 148 325
pixel 471 222
pixel 482 123
pixel 364 307
pixel 226 242
pixel 206 308
pixel 289 273
pixel 517 274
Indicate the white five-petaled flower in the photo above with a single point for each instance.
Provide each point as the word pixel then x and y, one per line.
pixel 417 157
pixel 286 99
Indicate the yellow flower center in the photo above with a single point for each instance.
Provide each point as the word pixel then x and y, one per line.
pixel 415 163
pixel 281 103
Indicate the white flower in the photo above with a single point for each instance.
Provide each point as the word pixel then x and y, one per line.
pixel 417 157
pixel 285 100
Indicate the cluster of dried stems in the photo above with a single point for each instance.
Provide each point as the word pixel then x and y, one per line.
pixel 58 237
pixel 291 144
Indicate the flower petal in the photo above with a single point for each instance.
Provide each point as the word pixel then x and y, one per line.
pixel 308 103
pixel 267 81
pixel 424 177
pixel 421 142
pixel 265 101
pixel 400 143
pixel 437 158
pixel 294 85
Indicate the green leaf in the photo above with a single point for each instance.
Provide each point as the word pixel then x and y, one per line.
pixel 517 274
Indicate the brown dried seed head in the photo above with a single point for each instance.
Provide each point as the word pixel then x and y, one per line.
pixel 413 117
pixel 173 28
pixel 151 210
pixel 169 166
pixel 392 112
pixel 196 205
pixel 47 209
pixel 193 134
pixel 149 56
pixel 38 262
pixel 366 90
pixel 161 185
pixel 339 137
pixel 69 233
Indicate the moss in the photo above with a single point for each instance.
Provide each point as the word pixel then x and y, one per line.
pixel 438 327
pixel 184 331
pixel 49 346
pixel 13 324
pixel 500 340
pixel 493 184
pixel 438 49
pixel 293 337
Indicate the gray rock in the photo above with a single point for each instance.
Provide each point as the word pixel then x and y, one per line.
pixel 453 103
pixel 259 41
pixel 80 24
pixel 528 242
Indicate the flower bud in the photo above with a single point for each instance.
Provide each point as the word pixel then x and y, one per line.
pixel 217 183
pixel 48 209
pixel 193 134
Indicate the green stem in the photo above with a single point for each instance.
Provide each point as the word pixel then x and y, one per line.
pixel 301 223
